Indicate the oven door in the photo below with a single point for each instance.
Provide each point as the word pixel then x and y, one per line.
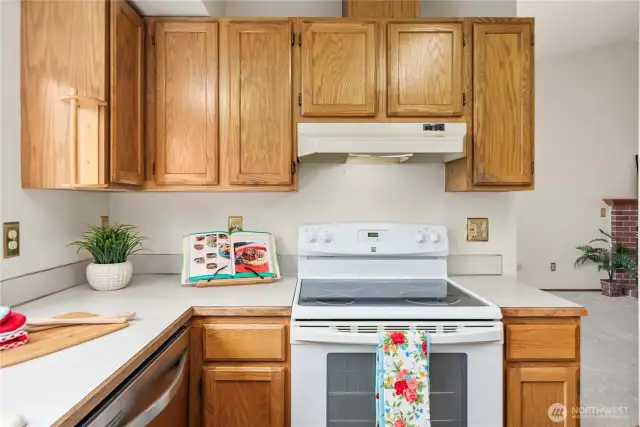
pixel 333 373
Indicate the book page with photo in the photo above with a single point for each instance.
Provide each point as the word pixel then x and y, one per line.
pixel 254 254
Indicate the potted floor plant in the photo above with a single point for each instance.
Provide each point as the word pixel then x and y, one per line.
pixel 110 247
pixel 608 259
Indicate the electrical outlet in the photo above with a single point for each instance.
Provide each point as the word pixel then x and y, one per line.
pixel 603 212
pixel 477 229
pixel 235 223
pixel 11 239
pixel 104 221
pixel 552 266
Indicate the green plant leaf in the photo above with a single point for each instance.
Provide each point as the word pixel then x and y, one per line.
pixel 111 244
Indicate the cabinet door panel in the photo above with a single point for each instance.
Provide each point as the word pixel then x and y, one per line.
pixel 258 129
pixel 241 396
pixel 338 69
pixel 63 46
pixel 127 41
pixel 424 69
pixel 503 104
pixel 187 135
pixel 531 391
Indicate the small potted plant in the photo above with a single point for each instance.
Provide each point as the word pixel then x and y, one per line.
pixel 110 247
pixel 610 260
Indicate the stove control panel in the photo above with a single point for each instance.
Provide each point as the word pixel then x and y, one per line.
pixel 373 239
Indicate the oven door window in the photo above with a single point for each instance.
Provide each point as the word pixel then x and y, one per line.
pixel 351 389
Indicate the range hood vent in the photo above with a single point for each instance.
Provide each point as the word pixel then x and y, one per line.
pixel 380 142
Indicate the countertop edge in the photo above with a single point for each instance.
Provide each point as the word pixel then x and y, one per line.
pixel 210 311
pixel 544 311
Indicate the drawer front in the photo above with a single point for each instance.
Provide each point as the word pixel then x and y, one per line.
pixel 541 342
pixel 250 342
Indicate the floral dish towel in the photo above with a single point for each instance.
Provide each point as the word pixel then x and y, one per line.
pixel 402 379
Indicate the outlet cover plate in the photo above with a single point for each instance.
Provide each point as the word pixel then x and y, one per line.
pixel 11 239
pixel 235 223
pixel 477 229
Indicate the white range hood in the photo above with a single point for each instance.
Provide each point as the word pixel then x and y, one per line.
pixel 380 142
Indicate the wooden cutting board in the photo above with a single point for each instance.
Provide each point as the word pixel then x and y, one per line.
pixel 51 340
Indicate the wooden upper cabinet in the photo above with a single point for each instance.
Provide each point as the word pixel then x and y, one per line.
pixel 127 44
pixel 241 396
pixel 381 8
pixel 186 103
pixel 503 104
pixel 532 390
pixel 256 102
pixel 338 68
pixel 63 47
pixel 424 69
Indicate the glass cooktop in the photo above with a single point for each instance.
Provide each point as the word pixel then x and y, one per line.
pixel 384 292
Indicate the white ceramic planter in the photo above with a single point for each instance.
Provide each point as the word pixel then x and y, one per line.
pixel 109 277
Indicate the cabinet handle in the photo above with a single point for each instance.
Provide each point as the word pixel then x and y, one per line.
pixel 293 39
pixel 149 414
pixel 300 39
pixel 293 167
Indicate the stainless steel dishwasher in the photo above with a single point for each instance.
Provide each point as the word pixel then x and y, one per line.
pixel 156 394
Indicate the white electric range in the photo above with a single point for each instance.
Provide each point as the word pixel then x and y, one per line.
pixel 355 279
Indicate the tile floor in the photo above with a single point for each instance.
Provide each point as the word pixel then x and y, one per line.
pixel 609 357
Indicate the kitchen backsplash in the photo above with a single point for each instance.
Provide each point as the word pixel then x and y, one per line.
pixel 328 192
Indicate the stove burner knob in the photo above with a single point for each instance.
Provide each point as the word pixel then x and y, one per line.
pixel 434 237
pixel 312 237
pixel 420 237
pixel 325 236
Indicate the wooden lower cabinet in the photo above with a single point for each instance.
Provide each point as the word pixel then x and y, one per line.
pixel 240 396
pixel 240 370
pixel 542 396
pixel 542 371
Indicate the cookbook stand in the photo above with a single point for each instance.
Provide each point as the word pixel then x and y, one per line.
pixel 234 282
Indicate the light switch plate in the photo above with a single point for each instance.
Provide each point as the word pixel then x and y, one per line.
pixel 11 239
pixel 477 229
pixel 235 223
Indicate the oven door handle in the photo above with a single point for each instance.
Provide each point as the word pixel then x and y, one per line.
pixel 335 337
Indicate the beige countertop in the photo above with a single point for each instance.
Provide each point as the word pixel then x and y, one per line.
pixel 46 390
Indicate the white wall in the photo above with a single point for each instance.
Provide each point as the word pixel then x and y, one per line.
pixel 467 8
pixel 586 131
pixel 354 192
pixel 48 219
pixel 281 8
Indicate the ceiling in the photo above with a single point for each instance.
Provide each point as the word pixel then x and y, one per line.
pixel 564 26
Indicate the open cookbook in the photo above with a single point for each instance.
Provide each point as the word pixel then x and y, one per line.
pixel 215 255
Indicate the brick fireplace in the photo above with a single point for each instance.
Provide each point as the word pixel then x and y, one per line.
pixel 624 230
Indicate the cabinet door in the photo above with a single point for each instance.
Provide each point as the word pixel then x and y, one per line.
pixel 338 68
pixel 63 46
pixel 186 102
pixel 503 104
pixel 241 396
pixel 257 130
pixel 542 396
pixel 127 42
pixel 424 69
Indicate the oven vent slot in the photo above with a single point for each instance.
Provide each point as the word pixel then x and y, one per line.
pixel 373 329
